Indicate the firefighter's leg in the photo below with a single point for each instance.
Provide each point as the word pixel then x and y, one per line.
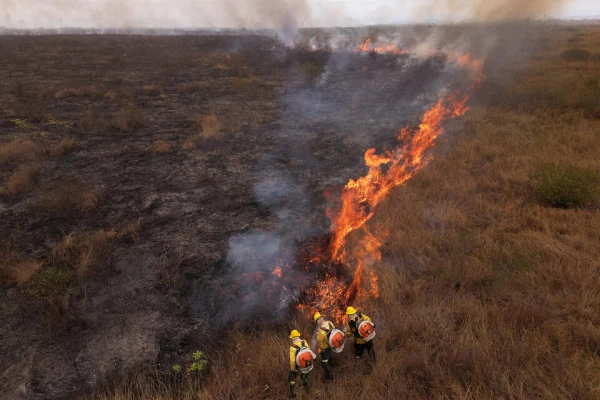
pixel 304 379
pixel 325 360
pixel 292 380
pixel 371 351
pixel 359 349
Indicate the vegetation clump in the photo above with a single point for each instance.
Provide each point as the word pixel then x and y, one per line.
pixel 565 186
pixel 49 282
pixel 576 55
pixel 129 119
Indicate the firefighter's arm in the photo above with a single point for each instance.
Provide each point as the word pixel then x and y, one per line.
pixel 292 360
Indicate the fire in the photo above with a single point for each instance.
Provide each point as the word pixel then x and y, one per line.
pixel 369 47
pixel 354 249
pixel 343 263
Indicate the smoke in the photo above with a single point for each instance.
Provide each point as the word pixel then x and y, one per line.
pixel 489 10
pixel 284 16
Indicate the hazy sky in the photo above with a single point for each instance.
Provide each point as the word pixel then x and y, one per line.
pixel 272 13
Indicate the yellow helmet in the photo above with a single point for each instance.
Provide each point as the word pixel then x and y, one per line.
pixel 350 311
pixel 316 316
pixel 294 334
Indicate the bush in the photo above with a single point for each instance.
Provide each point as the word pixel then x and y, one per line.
pixel 576 55
pixel 565 186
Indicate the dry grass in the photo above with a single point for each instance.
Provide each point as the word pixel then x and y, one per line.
pixel 159 147
pixel 88 119
pixel 86 91
pixel 19 151
pixel 82 252
pixel 151 89
pixel 62 148
pixel 245 84
pixel 207 127
pixel 484 292
pixel 23 179
pixel 111 95
pixel 21 273
pixel 85 252
pixel 67 197
pixel 14 268
pixel 129 119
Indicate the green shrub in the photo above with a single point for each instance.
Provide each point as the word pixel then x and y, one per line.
pixel 199 362
pixel 49 282
pixel 565 186
pixel 576 55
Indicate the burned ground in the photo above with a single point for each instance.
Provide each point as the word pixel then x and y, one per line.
pixel 129 104
pixel 146 155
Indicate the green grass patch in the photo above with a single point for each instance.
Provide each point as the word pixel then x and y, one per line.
pixel 49 282
pixel 565 186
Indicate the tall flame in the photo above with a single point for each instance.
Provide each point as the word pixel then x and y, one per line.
pixel 353 245
pixel 344 261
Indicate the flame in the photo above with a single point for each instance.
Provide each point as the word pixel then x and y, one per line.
pixel 343 265
pixel 369 47
pixel 353 245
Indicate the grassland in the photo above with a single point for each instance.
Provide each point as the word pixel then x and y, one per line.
pixel 124 178
pixel 485 291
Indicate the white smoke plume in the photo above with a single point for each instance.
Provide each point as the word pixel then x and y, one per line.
pixel 282 15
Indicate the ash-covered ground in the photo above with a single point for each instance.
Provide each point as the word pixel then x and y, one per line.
pixel 292 125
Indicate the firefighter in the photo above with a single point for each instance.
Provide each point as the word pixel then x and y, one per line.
pixel 355 318
pixel 324 327
pixel 298 348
